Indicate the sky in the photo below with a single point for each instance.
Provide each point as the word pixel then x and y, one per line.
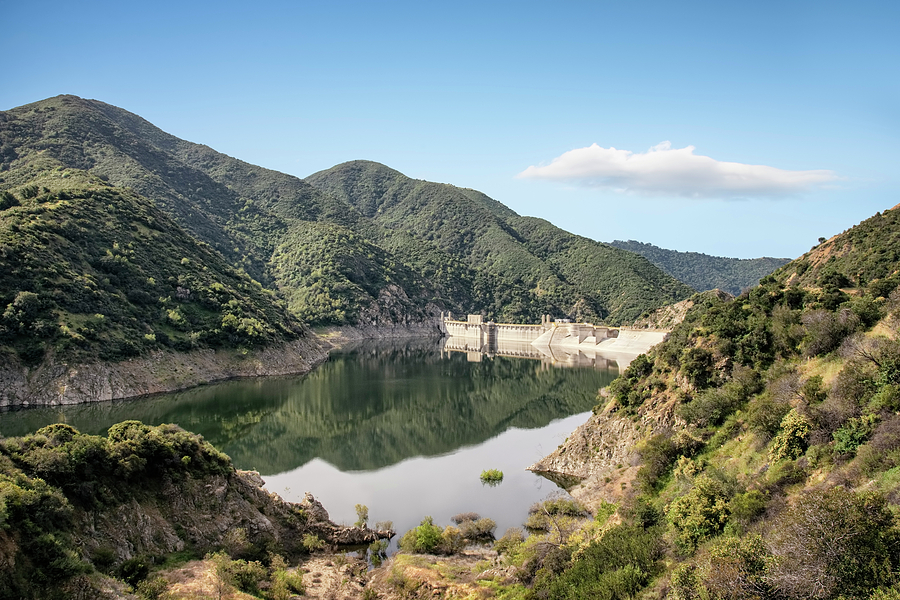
pixel 734 129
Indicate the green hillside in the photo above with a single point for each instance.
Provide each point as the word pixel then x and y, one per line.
pixel 704 272
pixel 528 267
pixel 357 244
pixel 91 270
pixel 769 452
pixel 866 257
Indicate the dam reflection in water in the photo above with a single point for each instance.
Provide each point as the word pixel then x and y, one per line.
pixel 404 428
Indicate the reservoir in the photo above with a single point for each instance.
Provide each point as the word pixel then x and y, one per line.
pixel 405 428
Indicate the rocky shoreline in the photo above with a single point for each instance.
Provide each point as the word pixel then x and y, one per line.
pixel 54 383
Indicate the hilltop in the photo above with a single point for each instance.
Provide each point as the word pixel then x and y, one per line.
pixel 704 272
pixel 521 267
pixel 118 240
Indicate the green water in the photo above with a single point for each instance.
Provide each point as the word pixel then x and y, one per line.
pixel 403 428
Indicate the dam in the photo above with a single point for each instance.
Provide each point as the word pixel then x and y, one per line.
pixel 557 341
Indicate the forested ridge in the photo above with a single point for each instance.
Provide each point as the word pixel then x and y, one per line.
pixel 704 272
pixel 359 244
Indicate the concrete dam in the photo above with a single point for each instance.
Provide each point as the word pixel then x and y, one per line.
pixel 561 342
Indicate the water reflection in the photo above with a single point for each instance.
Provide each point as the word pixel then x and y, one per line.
pixel 368 407
pixel 550 357
pixel 405 428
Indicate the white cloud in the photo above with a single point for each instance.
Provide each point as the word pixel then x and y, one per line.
pixel 666 171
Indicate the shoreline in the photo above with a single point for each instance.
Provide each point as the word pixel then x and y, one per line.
pixel 62 383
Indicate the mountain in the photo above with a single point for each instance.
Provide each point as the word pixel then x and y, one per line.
pixel 761 441
pixel 522 267
pixel 94 271
pixel 704 272
pixel 359 244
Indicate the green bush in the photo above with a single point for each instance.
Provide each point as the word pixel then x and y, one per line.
pixel 492 477
pixel 697 367
pixel 512 539
pixel 855 432
pixel 423 539
pixel 745 508
pixel 701 513
pixel 657 455
pixel 791 442
pixel 618 565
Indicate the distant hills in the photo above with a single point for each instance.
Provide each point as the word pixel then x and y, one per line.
pixel 704 272
pixel 118 238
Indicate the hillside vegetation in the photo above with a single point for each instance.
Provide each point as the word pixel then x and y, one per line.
pixel 770 447
pixel 77 510
pixel 704 272
pixel 359 244
pixel 524 267
pixel 90 270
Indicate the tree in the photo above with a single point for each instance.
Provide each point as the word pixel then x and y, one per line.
pixel 362 515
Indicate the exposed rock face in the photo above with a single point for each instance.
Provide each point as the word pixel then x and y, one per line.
pixel 595 448
pixel 53 383
pixel 200 513
pixel 599 459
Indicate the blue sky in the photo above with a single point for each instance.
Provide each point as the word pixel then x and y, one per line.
pixel 474 94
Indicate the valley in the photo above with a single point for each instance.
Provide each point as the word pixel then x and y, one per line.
pixel 178 324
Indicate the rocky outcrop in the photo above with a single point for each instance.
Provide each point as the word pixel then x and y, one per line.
pixel 206 514
pixel 598 462
pixel 602 444
pixel 54 382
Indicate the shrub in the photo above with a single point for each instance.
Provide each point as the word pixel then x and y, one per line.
pixel 699 514
pixel 467 516
pixel 246 575
pixel 511 540
pixel 836 542
pixel 134 570
pixel 423 539
pixel 479 529
pixel 492 477
pixel 152 589
pixel 618 565
pixel 745 508
pixel 826 330
pixel 311 542
pixel 856 431
pixel 697 367
pixel 626 388
pixel 785 472
pixel 657 454
pixel 362 515
pixel 738 568
pixel 791 442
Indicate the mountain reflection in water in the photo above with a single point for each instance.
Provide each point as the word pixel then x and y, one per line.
pixel 368 407
pixel 405 427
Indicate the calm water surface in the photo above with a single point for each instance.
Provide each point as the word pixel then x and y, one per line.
pixel 403 428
